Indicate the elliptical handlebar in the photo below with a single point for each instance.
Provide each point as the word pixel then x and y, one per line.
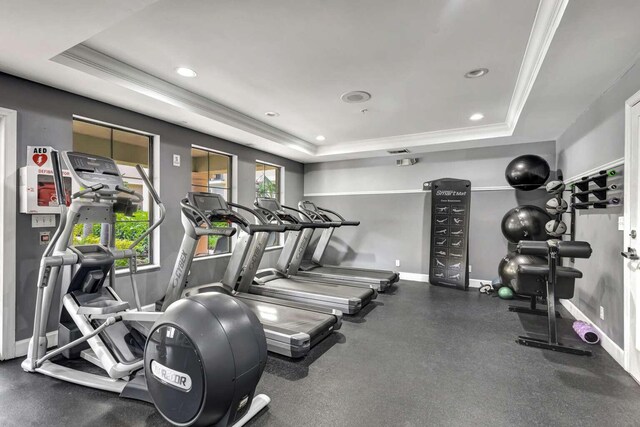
pixel 57 178
pixel 58 182
pixel 156 199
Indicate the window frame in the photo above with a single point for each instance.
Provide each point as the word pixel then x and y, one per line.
pixel 154 158
pixel 232 191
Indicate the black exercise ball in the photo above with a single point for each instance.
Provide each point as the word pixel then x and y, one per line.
pixel 508 267
pixel 525 223
pixel 527 172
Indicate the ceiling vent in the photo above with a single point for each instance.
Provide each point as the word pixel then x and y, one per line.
pixel 400 151
pixel 356 96
pixel 406 162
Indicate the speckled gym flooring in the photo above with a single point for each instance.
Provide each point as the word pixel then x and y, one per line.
pixel 418 356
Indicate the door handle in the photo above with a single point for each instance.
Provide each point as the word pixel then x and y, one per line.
pixel 630 254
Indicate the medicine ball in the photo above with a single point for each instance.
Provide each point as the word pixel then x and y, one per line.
pixel 203 360
pixel 555 187
pixel 525 223
pixel 555 228
pixel 508 267
pixel 527 172
pixel 505 293
pixel 556 206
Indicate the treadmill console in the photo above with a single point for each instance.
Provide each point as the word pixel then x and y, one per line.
pixel 209 203
pixel 88 170
pixel 270 204
pixel 309 206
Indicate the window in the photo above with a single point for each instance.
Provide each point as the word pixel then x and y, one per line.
pixel 268 184
pixel 267 180
pixel 211 173
pixel 128 149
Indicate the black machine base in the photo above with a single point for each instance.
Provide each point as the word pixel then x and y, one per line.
pixel 536 311
pixel 545 345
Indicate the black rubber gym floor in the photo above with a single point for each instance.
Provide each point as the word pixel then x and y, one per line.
pixel 421 356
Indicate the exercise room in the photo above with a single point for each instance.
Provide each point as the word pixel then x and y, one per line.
pixel 319 213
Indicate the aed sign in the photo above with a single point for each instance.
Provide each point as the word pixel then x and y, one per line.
pixel 39 156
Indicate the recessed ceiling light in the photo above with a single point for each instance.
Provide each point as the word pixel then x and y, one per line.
pixel 186 72
pixel 320 138
pixel 477 116
pixel 271 114
pixel 478 72
pixel 355 96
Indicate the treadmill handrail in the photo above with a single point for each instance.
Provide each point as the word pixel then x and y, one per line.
pixel 343 221
pixel 185 205
pixel 254 212
pixel 310 223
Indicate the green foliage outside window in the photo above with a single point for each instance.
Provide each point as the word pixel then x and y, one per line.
pixel 266 188
pixel 127 230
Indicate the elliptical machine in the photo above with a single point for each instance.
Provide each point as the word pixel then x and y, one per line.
pixel 198 362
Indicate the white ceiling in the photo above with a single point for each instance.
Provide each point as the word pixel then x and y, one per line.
pixel 297 57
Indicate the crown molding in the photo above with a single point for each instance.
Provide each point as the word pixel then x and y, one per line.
pixel 93 62
pixel 417 139
pixel 545 24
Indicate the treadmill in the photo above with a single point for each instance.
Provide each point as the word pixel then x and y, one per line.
pixel 314 269
pixel 291 328
pixel 276 282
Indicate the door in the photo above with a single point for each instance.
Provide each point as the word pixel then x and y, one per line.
pixel 8 210
pixel 632 239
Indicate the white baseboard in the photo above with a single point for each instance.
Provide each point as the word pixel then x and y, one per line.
pixel 22 346
pixel 607 343
pixel 419 277
pixel 414 277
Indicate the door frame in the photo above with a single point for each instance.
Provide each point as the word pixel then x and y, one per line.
pixel 631 188
pixel 8 215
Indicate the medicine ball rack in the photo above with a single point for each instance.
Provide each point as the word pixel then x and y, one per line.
pixel 585 195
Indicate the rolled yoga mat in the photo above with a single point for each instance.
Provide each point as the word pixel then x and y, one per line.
pixel 586 332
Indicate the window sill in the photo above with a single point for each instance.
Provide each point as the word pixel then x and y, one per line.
pixel 209 257
pixel 142 269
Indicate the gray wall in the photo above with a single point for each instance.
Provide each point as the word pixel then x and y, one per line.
pixel 396 226
pixel 45 118
pixel 595 138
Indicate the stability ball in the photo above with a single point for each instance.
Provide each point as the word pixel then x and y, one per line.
pixel 525 223
pixel 527 172
pixel 508 267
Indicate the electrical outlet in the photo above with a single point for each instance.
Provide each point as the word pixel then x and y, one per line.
pixel 176 160
pixel 397 263
pixel 43 221
pixel 601 313
pixel 469 268
pixel 620 223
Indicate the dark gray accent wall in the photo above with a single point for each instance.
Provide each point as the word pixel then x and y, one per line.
pixel 45 118
pixel 396 226
pixel 596 138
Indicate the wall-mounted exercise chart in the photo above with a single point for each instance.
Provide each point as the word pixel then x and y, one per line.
pixel 450 204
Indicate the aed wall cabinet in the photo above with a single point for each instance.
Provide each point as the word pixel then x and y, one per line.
pixel 37 190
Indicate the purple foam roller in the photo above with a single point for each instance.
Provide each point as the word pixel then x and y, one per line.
pixel 586 332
